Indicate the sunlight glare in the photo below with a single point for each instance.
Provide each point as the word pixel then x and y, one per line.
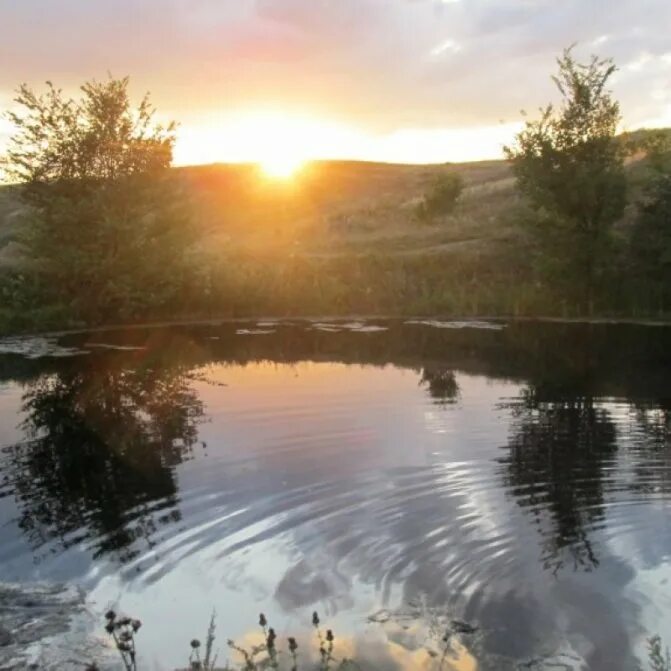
pixel 281 142
pixel 278 142
pixel 281 166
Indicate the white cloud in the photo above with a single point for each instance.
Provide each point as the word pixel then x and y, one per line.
pixel 377 65
pixel 602 39
pixel 639 63
pixel 446 46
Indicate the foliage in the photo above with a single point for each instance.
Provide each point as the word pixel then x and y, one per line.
pixel 570 165
pixel 655 145
pixel 442 198
pixel 109 235
pixel 267 655
pixel 659 657
pixel 651 240
pixel 651 234
pixel 107 228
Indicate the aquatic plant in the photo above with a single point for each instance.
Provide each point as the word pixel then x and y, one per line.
pixel 658 656
pixel 268 655
pixel 123 630
pixel 208 663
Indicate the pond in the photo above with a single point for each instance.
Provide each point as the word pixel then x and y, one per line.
pixel 394 476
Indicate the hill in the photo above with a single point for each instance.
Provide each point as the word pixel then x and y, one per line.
pixel 329 208
pixel 343 237
pixel 335 208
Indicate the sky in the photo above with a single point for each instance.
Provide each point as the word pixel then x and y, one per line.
pixel 415 81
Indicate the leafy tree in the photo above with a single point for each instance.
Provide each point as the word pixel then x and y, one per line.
pixel 651 234
pixel 651 241
pixel 107 227
pixel 442 198
pixel 570 165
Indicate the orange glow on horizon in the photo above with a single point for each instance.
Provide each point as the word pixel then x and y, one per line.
pixel 282 141
pixel 281 166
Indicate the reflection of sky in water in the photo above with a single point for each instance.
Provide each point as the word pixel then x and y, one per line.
pixel 327 464
pixel 348 489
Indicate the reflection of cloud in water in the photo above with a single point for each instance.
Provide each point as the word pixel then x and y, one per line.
pixel 408 641
pixel 467 324
pixel 346 487
pixel 415 513
pixel 37 347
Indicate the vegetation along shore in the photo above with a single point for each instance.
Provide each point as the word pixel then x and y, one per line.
pixel 97 227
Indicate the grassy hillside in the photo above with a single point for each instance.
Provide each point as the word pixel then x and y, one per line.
pixel 334 208
pixel 329 208
pixel 10 209
pixel 342 237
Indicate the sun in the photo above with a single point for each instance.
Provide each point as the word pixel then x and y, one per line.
pixel 281 166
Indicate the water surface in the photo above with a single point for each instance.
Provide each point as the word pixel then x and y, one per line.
pixel 393 476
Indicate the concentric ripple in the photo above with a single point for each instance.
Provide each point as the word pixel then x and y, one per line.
pixel 486 490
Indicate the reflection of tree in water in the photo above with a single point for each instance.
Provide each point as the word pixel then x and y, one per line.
pixel 651 456
pixel 441 384
pixel 97 461
pixel 654 424
pixel 556 461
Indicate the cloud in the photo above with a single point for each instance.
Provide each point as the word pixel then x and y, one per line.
pixel 380 65
pixel 448 46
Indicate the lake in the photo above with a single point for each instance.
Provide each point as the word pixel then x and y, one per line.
pixel 394 476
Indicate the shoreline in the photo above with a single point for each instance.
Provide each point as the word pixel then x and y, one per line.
pixel 216 321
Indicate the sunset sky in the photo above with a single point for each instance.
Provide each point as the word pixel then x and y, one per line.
pixel 395 80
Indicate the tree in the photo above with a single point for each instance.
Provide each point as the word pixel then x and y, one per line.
pixel 570 165
pixel 106 229
pixel 651 242
pixel 651 234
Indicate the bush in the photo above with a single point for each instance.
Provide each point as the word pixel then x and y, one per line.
pixel 442 197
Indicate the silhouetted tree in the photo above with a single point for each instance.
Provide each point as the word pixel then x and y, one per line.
pixel 570 165
pixel 651 234
pixel 106 226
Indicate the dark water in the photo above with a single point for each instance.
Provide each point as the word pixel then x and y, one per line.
pixel 513 476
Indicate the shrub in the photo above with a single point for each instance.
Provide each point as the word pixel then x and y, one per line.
pixel 442 198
